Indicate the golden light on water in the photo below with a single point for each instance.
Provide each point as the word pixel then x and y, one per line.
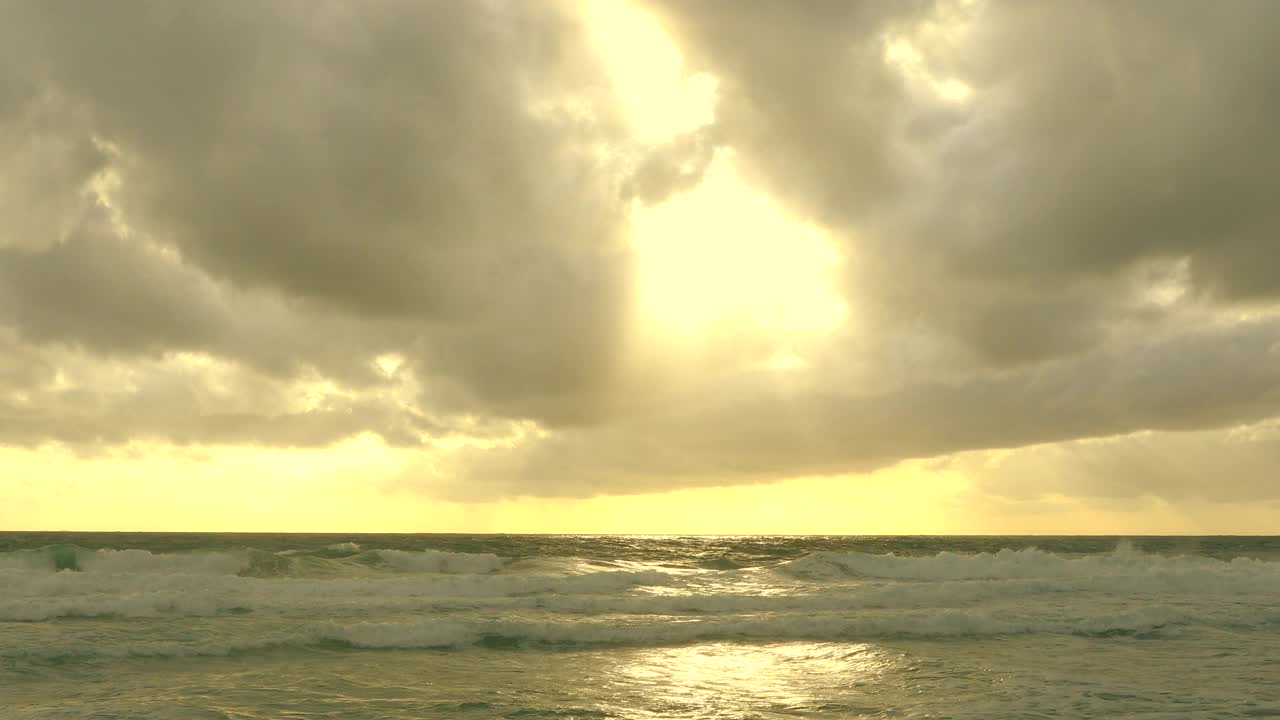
pixel 716 680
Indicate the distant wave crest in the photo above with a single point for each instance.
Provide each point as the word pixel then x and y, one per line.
pixel 1123 569
pixel 451 634
pixel 334 560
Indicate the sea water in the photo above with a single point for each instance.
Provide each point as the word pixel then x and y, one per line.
pixel 244 627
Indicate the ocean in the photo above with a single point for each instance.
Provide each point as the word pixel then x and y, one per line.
pixel 258 626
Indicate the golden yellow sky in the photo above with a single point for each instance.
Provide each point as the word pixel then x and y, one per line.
pixel 340 489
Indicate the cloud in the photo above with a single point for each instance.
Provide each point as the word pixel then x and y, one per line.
pixel 761 429
pixel 81 400
pixel 46 177
pixel 1219 465
pixel 395 162
pixel 223 223
pixel 1095 139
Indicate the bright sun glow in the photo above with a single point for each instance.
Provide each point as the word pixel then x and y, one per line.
pixel 727 253
pixel 647 72
pixel 723 254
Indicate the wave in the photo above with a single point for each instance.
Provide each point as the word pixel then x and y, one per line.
pixel 341 549
pixel 447 634
pixel 878 626
pixel 70 557
pixel 349 559
pixel 435 561
pixel 139 605
pixel 29 596
pixel 338 559
pixel 1186 572
pixel 603 594
pixel 137 583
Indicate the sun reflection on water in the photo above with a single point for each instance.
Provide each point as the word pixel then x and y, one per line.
pixel 723 680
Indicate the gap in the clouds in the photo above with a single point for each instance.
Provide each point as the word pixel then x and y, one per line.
pixel 726 259
pixel 919 54
pixel 657 97
pixel 902 54
pixel 724 274
pixel 389 363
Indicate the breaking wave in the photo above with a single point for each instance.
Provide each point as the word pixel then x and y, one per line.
pixel 433 561
pixel 139 584
pixel 869 626
pixel 1125 568
pixel 446 634
pixel 29 596
pixel 338 559
pixel 353 597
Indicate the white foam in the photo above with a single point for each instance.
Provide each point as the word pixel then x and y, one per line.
pixel 434 561
pixel 124 561
pixel 450 633
pixel 251 562
pixel 1187 573
pixel 142 561
pixel 140 584
pixel 423 634
pixel 144 604
pixel 27 560
pixel 41 595
pixel 867 626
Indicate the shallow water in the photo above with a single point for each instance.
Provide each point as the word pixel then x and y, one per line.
pixel 448 626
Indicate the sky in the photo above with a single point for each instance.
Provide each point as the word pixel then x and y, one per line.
pixel 655 266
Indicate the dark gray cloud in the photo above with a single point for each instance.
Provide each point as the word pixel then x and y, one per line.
pixel 804 94
pixel 99 290
pixel 48 166
pixel 121 297
pixel 1100 136
pixel 759 429
pixel 389 162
